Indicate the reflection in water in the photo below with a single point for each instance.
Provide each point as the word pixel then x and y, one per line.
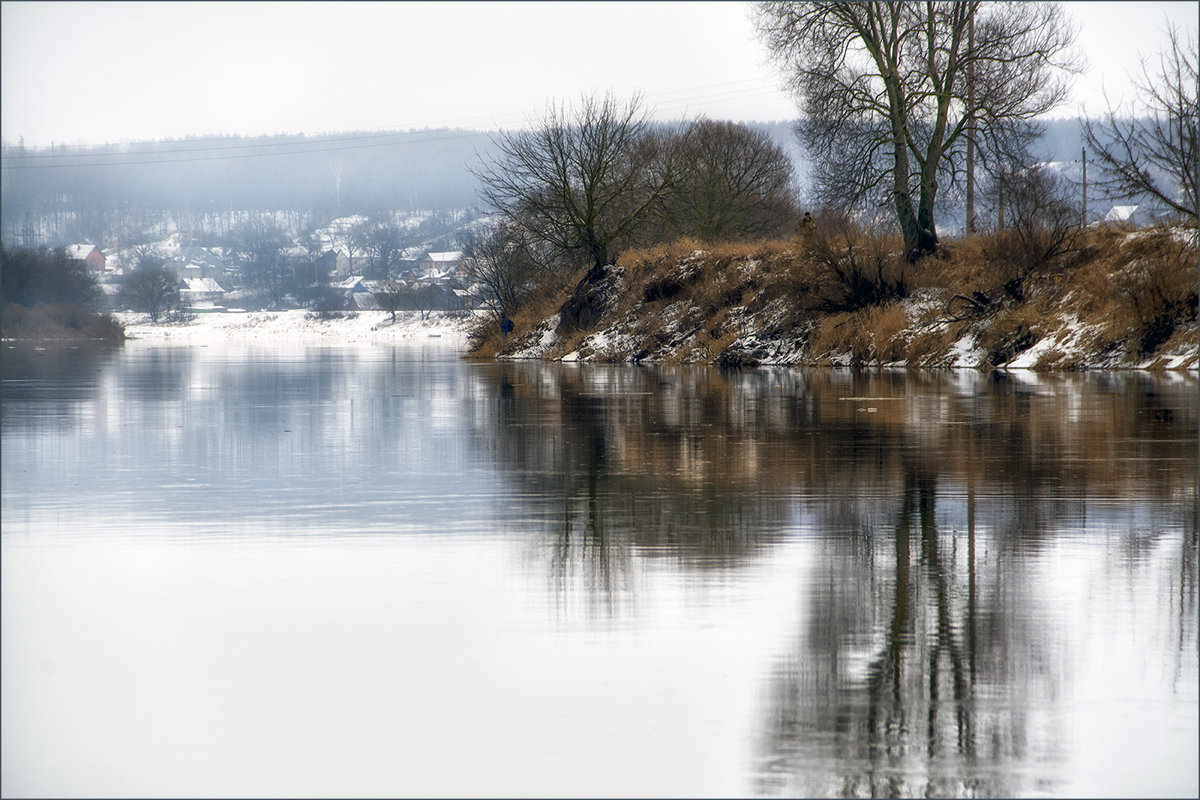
pixel 932 660
pixel 985 570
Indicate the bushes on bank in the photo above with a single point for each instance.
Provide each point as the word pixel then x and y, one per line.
pixel 47 296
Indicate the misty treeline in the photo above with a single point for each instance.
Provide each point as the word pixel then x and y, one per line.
pixel 78 193
pixel 102 193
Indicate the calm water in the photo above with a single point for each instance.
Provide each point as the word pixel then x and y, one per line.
pixel 375 571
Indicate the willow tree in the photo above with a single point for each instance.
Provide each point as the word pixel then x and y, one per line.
pixel 890 92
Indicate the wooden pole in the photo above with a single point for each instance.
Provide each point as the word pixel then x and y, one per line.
pixel 971 125
pixel 1083 218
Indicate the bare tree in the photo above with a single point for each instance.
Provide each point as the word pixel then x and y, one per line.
pixel 1042 224
pixel 503 263
pixel 391 296
pixel 887 105
pixel 381 239
pixel 425 297
pixel 258 245
pixel 580 180
pixel 1151 151
pixel 732 183
pixel 151 288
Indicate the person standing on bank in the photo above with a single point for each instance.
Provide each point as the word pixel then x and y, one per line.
pixel 808 230
pixel 506 325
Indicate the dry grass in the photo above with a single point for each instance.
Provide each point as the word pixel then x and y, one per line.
pixel 1011 332
pixel 871 335
pixel 485 339
pixel 58 322
pixel 681 301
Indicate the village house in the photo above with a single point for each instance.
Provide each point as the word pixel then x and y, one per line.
pixel 89 254
pixel 194 291
pixel 444 263
pixel 1127 214
pixel 356 293
pixel 199 262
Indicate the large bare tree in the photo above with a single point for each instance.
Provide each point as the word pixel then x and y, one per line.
pixel 1150 150
pixel 891 91
pixel 580 180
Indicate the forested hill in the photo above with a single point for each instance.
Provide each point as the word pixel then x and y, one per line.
pixel 346 172
pixel 332 174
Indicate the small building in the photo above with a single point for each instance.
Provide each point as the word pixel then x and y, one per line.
pixel 197 290
pixel 89 254
pixel 334 261
pixel 443 263
pixel 199 262
pixel 1123 214
pixel 356 293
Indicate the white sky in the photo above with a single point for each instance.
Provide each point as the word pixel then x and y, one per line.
pixel 111 72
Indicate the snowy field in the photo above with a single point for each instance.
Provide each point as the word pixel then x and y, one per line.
pixel 302 327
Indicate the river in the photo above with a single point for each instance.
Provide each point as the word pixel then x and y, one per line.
pixel 289 570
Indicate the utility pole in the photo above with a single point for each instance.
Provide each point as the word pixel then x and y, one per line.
pixel 971 124
pixel 1083 217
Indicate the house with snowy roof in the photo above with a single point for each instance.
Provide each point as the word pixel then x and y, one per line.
pixel 89 254
pixel 197 290
pixel 1125 214
pixel 199 262
pixel 441 263
pixel 356 292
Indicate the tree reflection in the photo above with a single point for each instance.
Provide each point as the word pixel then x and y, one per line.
pixel 926 663
pixel 887 691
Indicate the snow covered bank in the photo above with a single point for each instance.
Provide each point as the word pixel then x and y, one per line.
pixel 302 327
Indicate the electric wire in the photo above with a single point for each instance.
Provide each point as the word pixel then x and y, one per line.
pixel 317 143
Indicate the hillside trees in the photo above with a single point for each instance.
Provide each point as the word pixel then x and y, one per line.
pixel 36 277
pixel 258 245
pixel 891 91
pixel 732 182
pixel 580 180
pixel 1151 151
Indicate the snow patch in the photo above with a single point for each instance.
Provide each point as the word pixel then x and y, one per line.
pixel 301 327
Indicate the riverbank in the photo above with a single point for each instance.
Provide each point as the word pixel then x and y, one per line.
pixel 1119 300
pixel 302 327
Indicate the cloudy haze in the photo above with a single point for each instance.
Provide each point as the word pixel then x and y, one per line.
pixel 110 72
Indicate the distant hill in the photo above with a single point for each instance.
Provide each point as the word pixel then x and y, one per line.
pixel 334 174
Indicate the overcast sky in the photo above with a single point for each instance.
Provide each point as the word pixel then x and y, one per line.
pixel 112 72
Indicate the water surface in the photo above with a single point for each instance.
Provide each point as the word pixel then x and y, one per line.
pixel 384 571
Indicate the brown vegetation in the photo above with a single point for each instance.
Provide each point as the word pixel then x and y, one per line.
pixel 58 322
pixel 848 296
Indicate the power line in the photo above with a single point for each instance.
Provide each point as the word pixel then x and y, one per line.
pixel 233 156
pixel 314 144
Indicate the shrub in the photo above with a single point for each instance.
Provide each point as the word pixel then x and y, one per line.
pixel 869 335
pixel 1042 226
pixel 1011 332
pixel 1158 287
pixel 58 322
pixel 855 266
